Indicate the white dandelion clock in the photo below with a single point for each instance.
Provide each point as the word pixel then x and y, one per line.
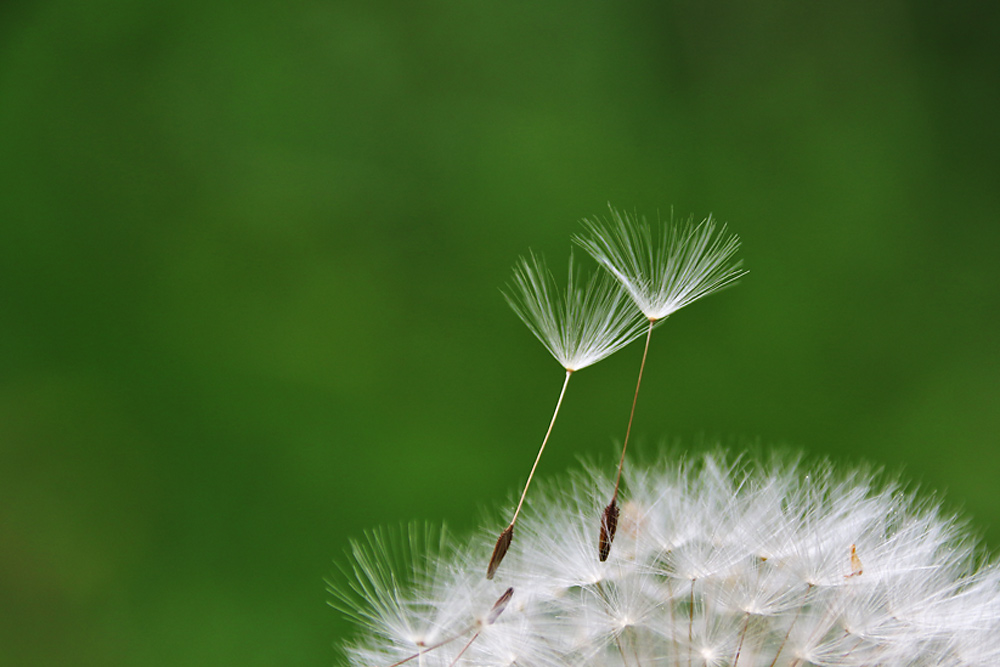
pixel 858 572
pixel 662 275
pixel 579 326
pixel 718 562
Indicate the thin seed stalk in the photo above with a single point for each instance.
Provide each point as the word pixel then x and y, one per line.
pixel 609 519
pixel 503 542
pixel 635 399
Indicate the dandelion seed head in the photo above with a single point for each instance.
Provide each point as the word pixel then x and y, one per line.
pixel 718 562
pixel 666 270
pixel 686 583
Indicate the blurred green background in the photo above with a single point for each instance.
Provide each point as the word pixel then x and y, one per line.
pixel 249 260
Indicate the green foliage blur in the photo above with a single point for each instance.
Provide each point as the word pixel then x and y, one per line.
pixel 250 259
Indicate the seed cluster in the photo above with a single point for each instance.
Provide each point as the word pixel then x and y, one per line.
pixel 715 564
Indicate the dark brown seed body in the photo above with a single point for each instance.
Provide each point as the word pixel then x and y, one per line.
pixel 500 605
pixel 609 524
pixel 500 550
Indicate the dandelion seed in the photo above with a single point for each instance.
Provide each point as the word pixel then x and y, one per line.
pixel 500 550
pixel 609 526
pixel 717 563
pixel 490 619
pixel 499 606
pixel 666 271
pixel 683 264
pixel 578 326
pixel 590 320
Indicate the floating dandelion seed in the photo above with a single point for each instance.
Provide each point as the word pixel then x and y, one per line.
pixel 717 563
pixel 666 271
pixel 578 326
pixel 662 275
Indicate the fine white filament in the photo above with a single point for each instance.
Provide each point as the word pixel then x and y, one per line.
pixel 581 325
pixel 669 270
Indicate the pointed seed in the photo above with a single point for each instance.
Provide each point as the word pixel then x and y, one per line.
pixel 500 550
pixel 500 605
pixel 609 524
